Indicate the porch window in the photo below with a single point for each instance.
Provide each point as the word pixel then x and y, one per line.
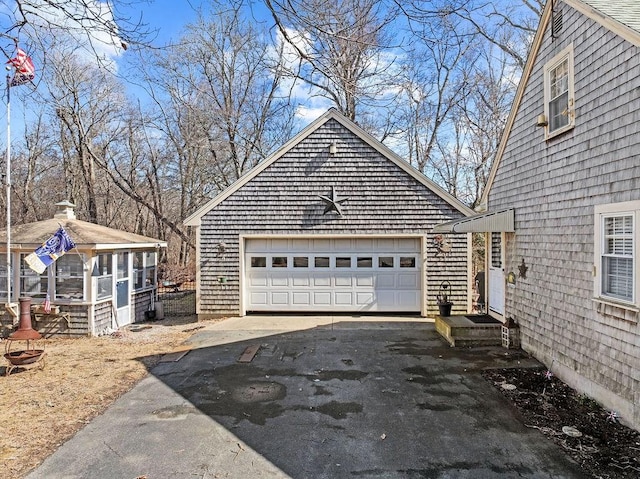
pixel 150 261
pixel 615 260
pixel 31 283
pixel 3 281
pixel 104 282
pixel 559 93
pixel 144 269
pixel 69 277
pixel 138 270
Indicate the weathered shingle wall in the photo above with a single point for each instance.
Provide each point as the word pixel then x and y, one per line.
pixel 283 199
pixel 554 186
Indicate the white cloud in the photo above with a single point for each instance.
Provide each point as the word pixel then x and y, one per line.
pixel 89 24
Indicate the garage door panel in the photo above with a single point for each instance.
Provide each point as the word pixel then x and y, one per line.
pixel 301 298
pixel 365 244
pixel 406 280
pixel 364 298
pixel 322 298
pixel 279 281
pixel 321 245
pixel 344 299
pixel 363 281
pixel 386 300
pixel 322 281
pixel 259 298
pixel 386 281
pixel 344 281
pixel 385 244
pixel 301 281
pixel 405 244
pixel 343 245
pixel 280 298
pixel 258 281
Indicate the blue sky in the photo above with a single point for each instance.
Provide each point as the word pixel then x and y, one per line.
pixel 168 17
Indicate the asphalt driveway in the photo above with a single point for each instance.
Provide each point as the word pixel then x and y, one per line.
pixel 323 397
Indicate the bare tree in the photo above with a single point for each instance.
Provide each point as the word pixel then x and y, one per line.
pixel 87 104
pixel 94 25
pixel 338 48
pixel 219 102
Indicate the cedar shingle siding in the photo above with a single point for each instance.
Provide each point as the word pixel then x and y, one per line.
pixel 283 200
pixel 553 186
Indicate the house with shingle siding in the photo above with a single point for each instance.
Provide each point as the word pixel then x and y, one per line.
pixel 333 222
pixel 567 177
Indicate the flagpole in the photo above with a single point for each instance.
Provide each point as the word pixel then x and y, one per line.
pixel 8 189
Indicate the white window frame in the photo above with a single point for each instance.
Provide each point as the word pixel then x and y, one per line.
pixel 566 55
pixel 601 213
pixel 105 270
pixel 59 276
pixel 26 274
pixel 143 268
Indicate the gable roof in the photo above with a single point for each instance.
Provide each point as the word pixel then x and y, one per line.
pixel 622 17
pixel 331 114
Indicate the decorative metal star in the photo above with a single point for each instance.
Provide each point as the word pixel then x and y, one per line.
pixel 332 203
pixel 522 270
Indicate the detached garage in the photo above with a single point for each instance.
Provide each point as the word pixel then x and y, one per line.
pixel 333 222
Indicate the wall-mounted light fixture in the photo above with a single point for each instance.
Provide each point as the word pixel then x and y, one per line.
pixel 222 248
pixel 542 121
pixel 333 148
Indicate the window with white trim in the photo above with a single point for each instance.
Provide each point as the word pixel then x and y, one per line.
pixel 144 269
pixel 69 277
pixel 104 279
pixel 616 227
pixel 32 283
pixel 559 106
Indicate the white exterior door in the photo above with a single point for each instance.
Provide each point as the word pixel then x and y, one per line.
pixel 496 275
pixel 333 274
pixel 123 293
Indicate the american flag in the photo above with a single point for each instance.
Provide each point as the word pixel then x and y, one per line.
pixel 46 306
pixel 25 71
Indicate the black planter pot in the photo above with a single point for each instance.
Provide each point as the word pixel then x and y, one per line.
pixel 150 315
pixel 445 309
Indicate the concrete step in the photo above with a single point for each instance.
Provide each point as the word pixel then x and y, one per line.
pixel 459 331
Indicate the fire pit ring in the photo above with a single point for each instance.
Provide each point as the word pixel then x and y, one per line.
pixel 24 358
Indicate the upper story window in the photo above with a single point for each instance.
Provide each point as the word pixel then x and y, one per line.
pixel 559 106
pixel 616 227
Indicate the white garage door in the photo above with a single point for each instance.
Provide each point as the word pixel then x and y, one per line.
pixel 333 274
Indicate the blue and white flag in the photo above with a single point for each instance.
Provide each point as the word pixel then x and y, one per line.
pixel 50 251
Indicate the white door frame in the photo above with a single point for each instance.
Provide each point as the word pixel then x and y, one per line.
pixel 496 277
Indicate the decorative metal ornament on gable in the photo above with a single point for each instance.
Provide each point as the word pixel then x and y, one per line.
pixel 333 203
pixel 442 244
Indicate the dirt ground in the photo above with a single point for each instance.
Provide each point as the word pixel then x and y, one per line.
pixel 604 448
pixel 41 408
